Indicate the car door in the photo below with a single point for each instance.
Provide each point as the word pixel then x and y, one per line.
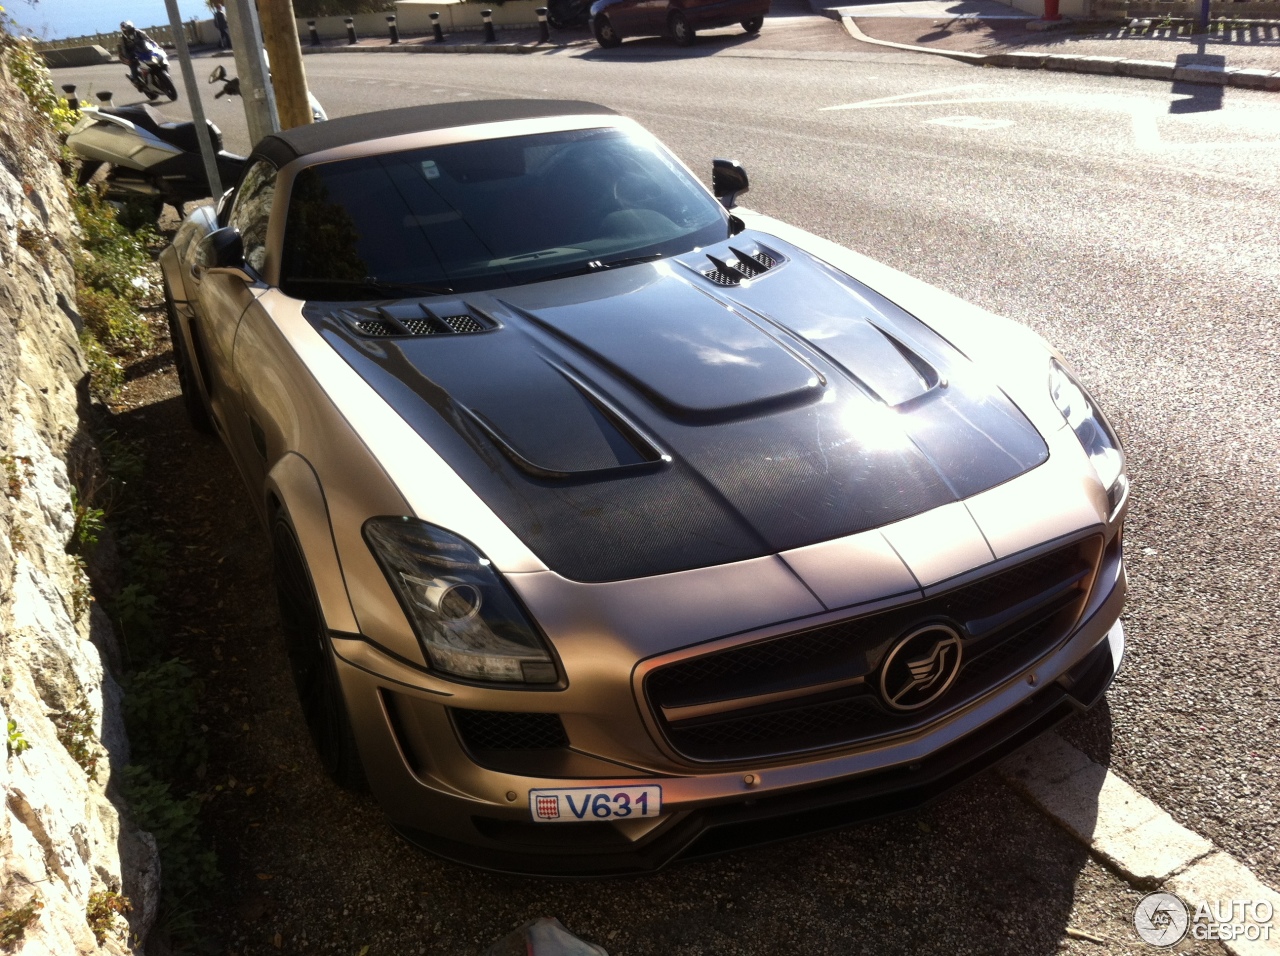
pixel 222 300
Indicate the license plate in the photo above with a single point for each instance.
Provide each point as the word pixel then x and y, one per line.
pixel 594 803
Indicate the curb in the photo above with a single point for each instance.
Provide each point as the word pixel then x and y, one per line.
pixel 1135 838
pixel 1245 78
pixel 443 48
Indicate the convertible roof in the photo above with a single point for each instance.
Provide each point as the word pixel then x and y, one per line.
pixel 287 145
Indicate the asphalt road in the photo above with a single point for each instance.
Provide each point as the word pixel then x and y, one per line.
pixel 1131 223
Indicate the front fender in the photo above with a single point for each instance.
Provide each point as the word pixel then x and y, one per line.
pixel 292 486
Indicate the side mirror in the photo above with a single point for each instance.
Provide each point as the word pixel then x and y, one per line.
pixel 728 179
pixel 218 75
pixel 222 251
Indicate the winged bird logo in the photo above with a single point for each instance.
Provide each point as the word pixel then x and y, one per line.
pixel 921 667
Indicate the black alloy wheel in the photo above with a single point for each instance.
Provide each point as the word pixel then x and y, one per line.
pixel 753 25
pixel 311 660
pixel 165 82
pixel 679 29
pixel 606 35
pixel 192 402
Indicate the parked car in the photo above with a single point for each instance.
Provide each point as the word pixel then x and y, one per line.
pixel 613 523
pixel 612 20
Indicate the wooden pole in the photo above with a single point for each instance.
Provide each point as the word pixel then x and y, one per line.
pixel 288 78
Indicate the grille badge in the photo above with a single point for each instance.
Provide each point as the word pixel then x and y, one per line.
pixel 920 668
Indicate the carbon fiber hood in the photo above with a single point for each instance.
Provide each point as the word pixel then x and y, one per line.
pixel 738 401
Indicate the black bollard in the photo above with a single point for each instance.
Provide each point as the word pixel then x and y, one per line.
pixel 392 31
pixel 435 28
pixel 73 104
pixel 544 34
pixel 315 34
pixel 489 36
pixel 351 29
pixel 104 98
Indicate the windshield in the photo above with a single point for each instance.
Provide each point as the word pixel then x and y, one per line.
pixel 491 213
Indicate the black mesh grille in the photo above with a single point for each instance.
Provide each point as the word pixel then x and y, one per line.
pixel 462 323
pixel 482 730
pixel 377 328
pixel 421 327
pixel 720 277
pixel 1007 620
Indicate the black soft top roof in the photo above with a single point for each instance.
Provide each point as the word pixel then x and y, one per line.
pixel 285 146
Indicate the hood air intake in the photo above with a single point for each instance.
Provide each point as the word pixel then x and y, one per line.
pixel 414 320
pixel 742 266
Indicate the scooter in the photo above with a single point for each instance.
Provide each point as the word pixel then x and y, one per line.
pixel 151 159
pixel 153 79
pixel 564 14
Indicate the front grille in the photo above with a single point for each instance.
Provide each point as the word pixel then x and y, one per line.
pixel 489 730
pixel 818 689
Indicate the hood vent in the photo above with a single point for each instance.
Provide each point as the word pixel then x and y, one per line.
pixel 743 266
pixel 414 320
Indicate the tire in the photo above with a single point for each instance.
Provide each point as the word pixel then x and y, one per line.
pixel 192 402
pixel 311 660
pixel 753 25
pixel 151 97
pixel 678 27
pixel 165 82
pixel 606 35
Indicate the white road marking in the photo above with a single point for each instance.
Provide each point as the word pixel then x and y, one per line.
pixel 971 122
pixel 1132 835
pixel 897 100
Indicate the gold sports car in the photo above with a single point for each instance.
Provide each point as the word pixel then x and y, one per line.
pixel 614 523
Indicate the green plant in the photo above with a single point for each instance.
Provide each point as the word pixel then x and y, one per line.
pixel 29 72
pixel 76 733
pixel 134 611
pixel 145 561
pixel 81 592
pixel 113 321
pixel 188 866
pixel 106 375
pixel 14 923
pixel 17 743
pixel 16 476
pixel 104 906
pixel 124 461
pixel 161 708
pixel 89 524
pixel 17 539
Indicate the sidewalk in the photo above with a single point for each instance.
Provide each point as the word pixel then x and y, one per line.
pixel 986 32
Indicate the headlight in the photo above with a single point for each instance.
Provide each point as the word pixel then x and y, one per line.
pixel 1093 431
pixel 468 622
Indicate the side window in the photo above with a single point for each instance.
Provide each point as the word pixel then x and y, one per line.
pixel 251 209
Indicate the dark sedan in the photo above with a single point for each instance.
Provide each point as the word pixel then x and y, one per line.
pixel 612 20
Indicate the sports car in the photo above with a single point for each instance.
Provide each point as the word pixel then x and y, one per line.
pixel 615 523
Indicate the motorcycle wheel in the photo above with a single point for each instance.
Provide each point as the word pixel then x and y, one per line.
pixel 152 96
pixel 165 82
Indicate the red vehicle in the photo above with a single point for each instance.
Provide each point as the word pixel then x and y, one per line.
pixel 611 20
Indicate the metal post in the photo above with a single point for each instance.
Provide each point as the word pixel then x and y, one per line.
pixel 351 29
pixel 435 28
pixel 207 152
pixel 392 31
pixel 1202 17
pixel 489 35
pixel 73 104
pixel 315 34
pixel 104 99
pixel 255 86
pixel 544 34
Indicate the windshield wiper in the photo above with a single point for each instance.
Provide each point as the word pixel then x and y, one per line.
pixel 598 265
pixel 378 287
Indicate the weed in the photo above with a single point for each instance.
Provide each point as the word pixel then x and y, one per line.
pixel 81 591
pixel 15 923
pixel 188 866
pixel 29 72
pixel 17 743
pixel 75 732
pixel 146 561
pixel 89 524
pixel 17 472
pixel 134 610
pixel 161 706
pixel 6 679
pixel 101 913
pixel 113 321
pixel 17 539
pixel 124 462
pixel 112 258
pixel 106 375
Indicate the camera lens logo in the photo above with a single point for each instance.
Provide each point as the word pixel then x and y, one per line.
pixel 1161 919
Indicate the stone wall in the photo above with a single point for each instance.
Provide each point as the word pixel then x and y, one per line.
pixel 62 838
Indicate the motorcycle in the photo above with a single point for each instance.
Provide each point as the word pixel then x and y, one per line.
pixel 565 14
pixel 151 159
pixel 153 78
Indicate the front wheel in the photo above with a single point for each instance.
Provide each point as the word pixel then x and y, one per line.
pixel 165 82
pixel 606 35
pixel 753 25
pixel 679 29
pixel 311 657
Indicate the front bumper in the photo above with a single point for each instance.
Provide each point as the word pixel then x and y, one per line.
pixel 439 797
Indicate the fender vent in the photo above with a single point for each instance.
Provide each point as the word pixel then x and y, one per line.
pixel 414 320
pixel 744 265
